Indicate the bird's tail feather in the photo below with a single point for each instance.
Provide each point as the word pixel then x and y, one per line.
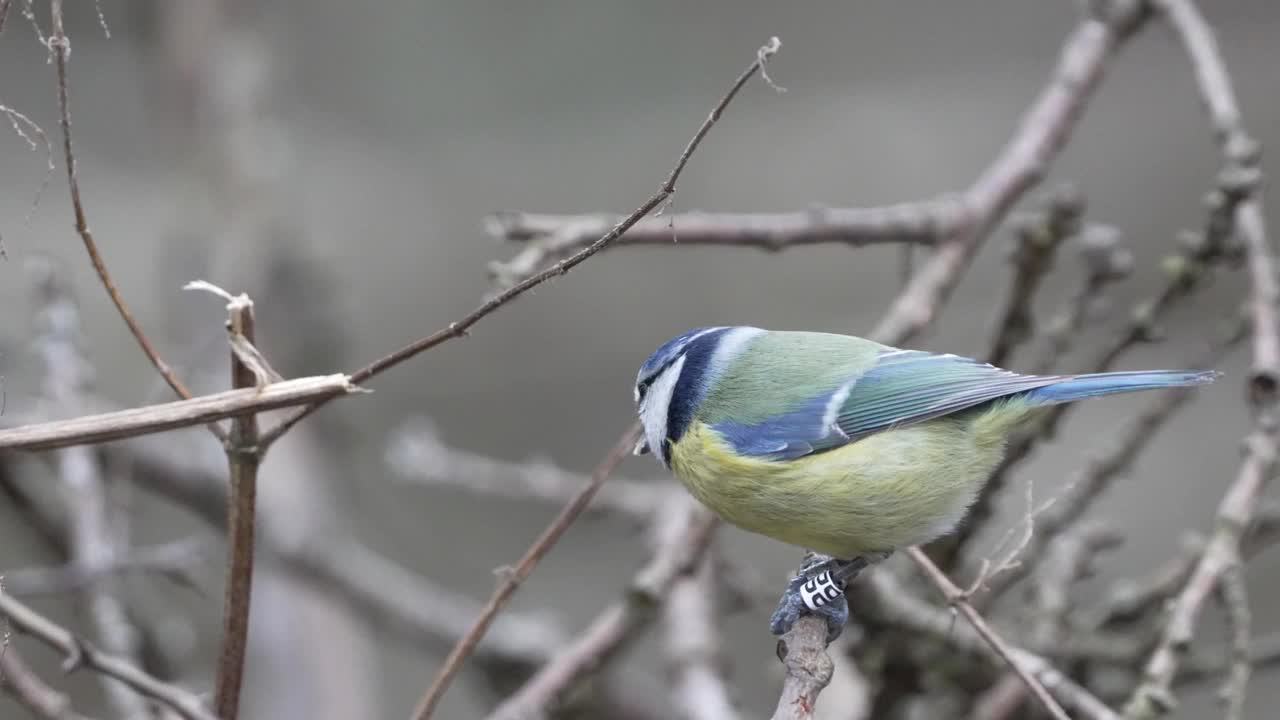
pixel 1086 386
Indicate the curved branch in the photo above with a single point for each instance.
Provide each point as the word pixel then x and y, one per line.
pixel 79 653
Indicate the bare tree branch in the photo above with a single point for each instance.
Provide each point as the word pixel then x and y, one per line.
pixel 1101 468
pixel 550 238
pixel 682 538
pixel 1234 595
pixel 1106 261
pixel 171 559
pixel 122 424
pixel 1022 163
pixel 427 705
pixel 958 600
pixel 417 453
pixel 1036 242
pixel 459 328
pixel 28 688
pixel 80 653
pixel 517 575
pixel 883 594
pixel 1185 275
pixel 381 592
pixel 60 47
pixel 691 616
pixel 1222 556
pixel 244 456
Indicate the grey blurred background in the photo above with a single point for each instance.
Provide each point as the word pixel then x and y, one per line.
pixel 369 140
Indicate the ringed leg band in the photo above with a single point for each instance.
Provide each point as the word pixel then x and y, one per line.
pixel 820 590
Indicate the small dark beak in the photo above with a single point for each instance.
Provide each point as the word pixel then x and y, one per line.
pixel 642 447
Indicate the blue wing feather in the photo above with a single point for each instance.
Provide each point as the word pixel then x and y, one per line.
pixel 901 388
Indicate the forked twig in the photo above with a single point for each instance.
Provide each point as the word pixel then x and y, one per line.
pixel 79 654
pixel 958 600
pixel 460 327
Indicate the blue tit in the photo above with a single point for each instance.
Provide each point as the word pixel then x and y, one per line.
pixel 841 445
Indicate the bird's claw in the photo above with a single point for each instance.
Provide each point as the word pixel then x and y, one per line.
pixel 812 592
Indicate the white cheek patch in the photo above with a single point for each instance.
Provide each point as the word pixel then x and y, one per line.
pixel 653 411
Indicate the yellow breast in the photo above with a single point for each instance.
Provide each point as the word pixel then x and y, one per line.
pixel 889 490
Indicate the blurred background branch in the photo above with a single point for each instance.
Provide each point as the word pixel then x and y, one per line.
pixel 332 161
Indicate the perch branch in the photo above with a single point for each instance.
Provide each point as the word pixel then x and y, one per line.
pixel 459 328
pixel 60 47
pixel 121 424
pixel 967 220
pixel 683 537
pixel 808 668
pixel 80 653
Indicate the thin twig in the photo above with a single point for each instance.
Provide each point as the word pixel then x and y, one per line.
pixel 1067 559
pixel 79 653
pixel 1184 275
pixel 150 419
pixel 1036 242
pixel 550 238
pixel 680 545
pixel 459 328
pixel 958 599
pixel 1154 695
pixel 884 597
pixel 60 47
pixel 517 575
pixel 1106 261
pixel 31 691
pixel 243 458
pixel 1101 468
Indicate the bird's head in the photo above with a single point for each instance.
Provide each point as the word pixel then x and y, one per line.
pixel 675 379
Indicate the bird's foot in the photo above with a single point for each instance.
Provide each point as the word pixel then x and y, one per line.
pixel 818 589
